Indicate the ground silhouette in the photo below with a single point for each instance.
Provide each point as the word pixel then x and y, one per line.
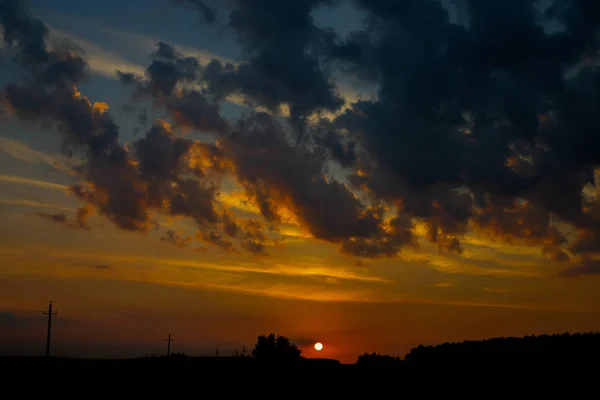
pixel 564 352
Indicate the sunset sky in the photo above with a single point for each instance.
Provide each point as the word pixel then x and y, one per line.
pixel 369 174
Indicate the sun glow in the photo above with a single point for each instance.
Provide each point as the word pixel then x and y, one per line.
pixel 318 346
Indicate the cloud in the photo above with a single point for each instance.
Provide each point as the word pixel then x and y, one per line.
pixel 281 177
pixel 22 152
pixel 106 63
pixel 62 219
pixel 175 239
pixel 162 80
pixel 30 203
pixel 283 47
pixel 115 183
pixel 269 267
pixel 462 133
pixel 465 136
pixel 100 60
pixel 586 267
pixel 147 44
pixel 101 267
pixel 208 13
pixel 20 180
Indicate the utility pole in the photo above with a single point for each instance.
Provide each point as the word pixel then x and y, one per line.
pixel 50 313
pixel 217 352
pixel 169 340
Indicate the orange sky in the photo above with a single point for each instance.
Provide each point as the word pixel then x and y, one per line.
pixel 119 291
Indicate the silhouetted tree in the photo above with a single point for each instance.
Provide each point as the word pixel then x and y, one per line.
pixel 154 354
pixel 241 353
pixel 375 360
pixel 548 351
pixel 276 349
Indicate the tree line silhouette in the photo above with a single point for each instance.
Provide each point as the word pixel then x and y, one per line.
pixel 547 351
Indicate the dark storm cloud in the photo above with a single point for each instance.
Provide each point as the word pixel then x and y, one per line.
pixel 209 14
pixel 487 123
pixel 341 148
pixel 175 239
pixel 62 219
pixel 161 153
pixel 472 116
pixel 250 232
pixel 280 176
pixel 283 49
pixel 586 267
pixel 126 185
pixel 164 77
pixel 191 109
pixel 168 69
pixel 49 95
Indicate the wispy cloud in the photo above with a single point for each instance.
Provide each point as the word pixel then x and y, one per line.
pixel 19 180
pixel 466 303
pixel 462 266
pixel 22 152
pixel 101 61
pixel 289 291
pixel 301 269
pixel 30 203
pixel 147 44
pixel 106 62
pixel 443 285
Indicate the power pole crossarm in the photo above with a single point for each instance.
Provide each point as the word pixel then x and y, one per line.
pixel 49 313
pixel 169 340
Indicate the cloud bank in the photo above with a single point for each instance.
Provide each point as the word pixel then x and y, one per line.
pixel 487 123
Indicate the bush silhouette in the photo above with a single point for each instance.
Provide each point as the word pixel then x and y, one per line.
pixel 276 349
pixel 375 360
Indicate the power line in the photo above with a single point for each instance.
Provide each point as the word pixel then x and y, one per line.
pixel 50 313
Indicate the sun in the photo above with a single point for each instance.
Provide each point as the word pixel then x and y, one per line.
pixel 318 346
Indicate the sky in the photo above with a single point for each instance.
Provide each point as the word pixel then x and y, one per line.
pixel 372 175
